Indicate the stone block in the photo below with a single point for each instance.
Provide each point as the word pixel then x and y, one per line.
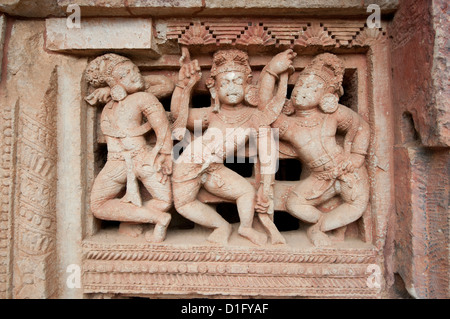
pixel 31 8
pixel 422 202
pixel 99 34
pixel 419 71
pixel 134 7
pixel 296 7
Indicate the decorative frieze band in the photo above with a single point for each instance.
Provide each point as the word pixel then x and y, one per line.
pixel 219 254
pixel 149 269
pixel 291 33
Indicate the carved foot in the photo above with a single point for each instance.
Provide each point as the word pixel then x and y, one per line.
pixel 131 229
pixel 275 236
pixel 254 236
pixel 159 233
pixel 277 239
pixel 317 237
pixel 221 235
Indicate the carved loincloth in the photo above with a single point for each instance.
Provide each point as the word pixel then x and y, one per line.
pixel 130 158
pixel 326 171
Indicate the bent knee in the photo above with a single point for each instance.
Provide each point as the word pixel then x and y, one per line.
pixel 306 213
pixel 164 205
pixel 248 191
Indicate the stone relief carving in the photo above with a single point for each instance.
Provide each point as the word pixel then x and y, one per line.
pixel 309 124
pixel 35 262
pixel 311 129
pixel 127 116
pixel 228 125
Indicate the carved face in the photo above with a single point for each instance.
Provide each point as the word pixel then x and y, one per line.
pixel 230 87
pixel 308 92
pixel 128 76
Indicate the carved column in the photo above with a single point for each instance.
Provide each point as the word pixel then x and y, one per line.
pixel 35 207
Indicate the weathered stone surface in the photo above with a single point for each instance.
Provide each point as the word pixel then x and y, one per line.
pixel 222 7
pixel 422 200
pixel 52 150
pixel 420 90
pixel 440 71
pixel 419 51
pixel 99 34
pixel 296 7
pixel 135 7
pixel 29 107
pixel 2 39
pixel 31 8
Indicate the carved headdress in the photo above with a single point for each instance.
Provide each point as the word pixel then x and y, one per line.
pixel 229 61
pixel 330 69
pixel 99 71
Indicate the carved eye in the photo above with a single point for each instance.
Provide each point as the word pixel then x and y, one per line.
pixel 238 81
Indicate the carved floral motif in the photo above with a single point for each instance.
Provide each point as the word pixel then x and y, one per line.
pixel 255 35
pixel 314 35
pixel 289 33
pixel 197 35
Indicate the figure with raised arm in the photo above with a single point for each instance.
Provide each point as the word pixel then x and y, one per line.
pixel 227 126
pixel 311 130
pixel 129 114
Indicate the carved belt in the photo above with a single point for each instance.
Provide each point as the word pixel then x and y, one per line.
pixel 120 156
pixel 325 159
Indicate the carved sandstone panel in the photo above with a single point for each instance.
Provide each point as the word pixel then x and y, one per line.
pixel 100 34
pixel 137 269
pixel 305 34
pixel 35 259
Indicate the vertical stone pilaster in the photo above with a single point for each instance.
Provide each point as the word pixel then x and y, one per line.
pixel 35 257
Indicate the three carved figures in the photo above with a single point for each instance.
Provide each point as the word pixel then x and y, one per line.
pixel 241 113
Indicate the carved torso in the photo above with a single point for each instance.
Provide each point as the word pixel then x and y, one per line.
pixel 121 123
pixel 312 136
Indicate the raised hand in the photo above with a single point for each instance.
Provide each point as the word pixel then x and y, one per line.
pixel 190 73
pixel 282 62
pixel 101 95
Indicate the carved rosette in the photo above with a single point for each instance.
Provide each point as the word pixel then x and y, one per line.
pixel 255 35
pixel 314 36
pixel 197 35
pixel 290 33
pixel 370 37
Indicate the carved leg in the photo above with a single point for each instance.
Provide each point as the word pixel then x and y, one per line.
pixel 186 203
pixel 160 203
pixel 230 185
pixel 206 216
pixel 355 194
pixel 104 202
pixel 305 210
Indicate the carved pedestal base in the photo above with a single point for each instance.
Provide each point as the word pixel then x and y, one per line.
pixel 135 268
